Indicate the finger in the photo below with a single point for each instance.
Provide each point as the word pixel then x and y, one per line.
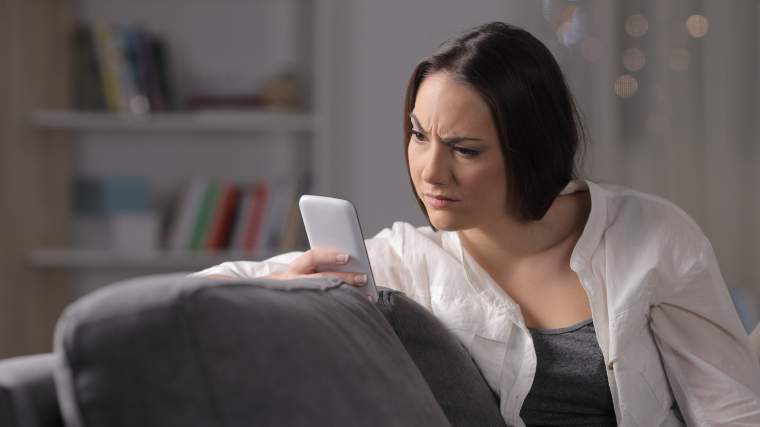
pixel 355 279
pixel 308 262
pixel 329 256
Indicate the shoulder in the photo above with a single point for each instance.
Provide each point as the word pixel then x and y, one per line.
pixel 649 214
pixel 646 235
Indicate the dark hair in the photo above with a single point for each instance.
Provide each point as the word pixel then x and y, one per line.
pixel 536 118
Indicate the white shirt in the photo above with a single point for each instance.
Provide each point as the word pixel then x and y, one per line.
pixel 663 317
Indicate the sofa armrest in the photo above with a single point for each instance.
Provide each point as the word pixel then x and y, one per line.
pixel 27 392
pixel 174 350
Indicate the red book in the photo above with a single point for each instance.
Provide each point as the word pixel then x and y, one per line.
pixel 223 215
pixel 252 231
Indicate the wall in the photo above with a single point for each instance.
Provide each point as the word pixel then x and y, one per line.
pixel 705 158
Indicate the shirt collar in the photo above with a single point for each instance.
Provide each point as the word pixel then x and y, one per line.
pixel 595 224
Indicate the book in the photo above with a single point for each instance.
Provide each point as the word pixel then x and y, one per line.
pixel 121 69
pixel 107 52
pixel 132 76
pixel 241 219
pixel 221 221
pixel 149 71
pixel 260 202
pixel 203 216
pixel 160 58
pixel 181 233
pixel 282 192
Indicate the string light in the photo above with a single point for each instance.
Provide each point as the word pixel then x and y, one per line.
pixel 626 86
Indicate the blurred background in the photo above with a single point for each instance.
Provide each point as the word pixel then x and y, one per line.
pixel 162 136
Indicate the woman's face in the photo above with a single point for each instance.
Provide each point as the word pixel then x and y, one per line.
pixel 454 152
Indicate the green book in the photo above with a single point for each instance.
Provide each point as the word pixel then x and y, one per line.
pixel 204 216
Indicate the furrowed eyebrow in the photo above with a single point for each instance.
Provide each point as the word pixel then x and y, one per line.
pixel 416 122
pixel 447 141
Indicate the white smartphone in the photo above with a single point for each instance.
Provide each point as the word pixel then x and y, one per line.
pixel 332 223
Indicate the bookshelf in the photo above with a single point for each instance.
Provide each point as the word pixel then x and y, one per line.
pixel 91 259
pixel 231 121
pixel 170 147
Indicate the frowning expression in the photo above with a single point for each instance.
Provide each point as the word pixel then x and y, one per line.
pixel 455 159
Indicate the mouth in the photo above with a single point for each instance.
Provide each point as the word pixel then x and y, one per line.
pixel 438 201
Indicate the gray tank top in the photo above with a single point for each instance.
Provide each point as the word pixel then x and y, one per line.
pixel 570 386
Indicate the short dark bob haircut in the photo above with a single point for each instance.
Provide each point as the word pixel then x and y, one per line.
pixel 537 120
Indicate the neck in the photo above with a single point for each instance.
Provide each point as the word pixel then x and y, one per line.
pixel 506 245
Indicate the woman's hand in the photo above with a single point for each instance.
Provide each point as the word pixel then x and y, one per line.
pixel 306 266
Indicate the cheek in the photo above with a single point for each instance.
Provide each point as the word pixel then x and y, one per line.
pixel 487 184
pixel 413 163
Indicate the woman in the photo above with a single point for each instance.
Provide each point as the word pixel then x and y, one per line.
pixel 581 303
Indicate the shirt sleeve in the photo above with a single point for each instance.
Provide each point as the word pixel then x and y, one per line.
pixel 250 269
pixel 385 251
pixel 713 373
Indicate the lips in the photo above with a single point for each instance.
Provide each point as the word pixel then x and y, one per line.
pixel 441 197
pixel 438 202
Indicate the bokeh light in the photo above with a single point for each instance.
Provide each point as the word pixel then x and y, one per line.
pixel 697 26
pixel 626 86
pixel 570 31
pixel 634 59
pixel 636 25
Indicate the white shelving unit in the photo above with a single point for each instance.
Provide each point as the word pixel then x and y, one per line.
pixel 232 121
pixel 305 136
pixel 92 259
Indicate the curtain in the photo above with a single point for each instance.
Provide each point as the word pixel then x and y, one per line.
pixel 670 96
pixel 34 171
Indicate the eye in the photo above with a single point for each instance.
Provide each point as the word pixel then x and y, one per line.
pixel 419 136
pixel 466 152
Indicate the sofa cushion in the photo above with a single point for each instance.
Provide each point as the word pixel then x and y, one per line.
pixel 178 351
pixel 448 368
pixel 27 392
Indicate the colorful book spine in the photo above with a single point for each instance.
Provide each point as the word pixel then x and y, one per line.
pixel 185 215
pixel 107 51
pixel 282 192
pixel 123 69
pixel 203 217
pixel 253 229
pixel 223 217
pixel 241 219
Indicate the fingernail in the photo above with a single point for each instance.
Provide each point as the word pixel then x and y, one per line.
pixel 360 278
pixel 342 258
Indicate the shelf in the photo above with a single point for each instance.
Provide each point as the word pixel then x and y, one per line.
pixel 90 259
pixel 216 121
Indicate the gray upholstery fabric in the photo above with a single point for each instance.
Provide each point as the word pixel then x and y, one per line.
pixel 177 351
pixel 448 368
pixel 27 392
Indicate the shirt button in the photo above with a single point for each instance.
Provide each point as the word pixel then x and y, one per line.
pixel 610 366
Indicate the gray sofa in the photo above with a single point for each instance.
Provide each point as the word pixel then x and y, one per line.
pixel 170 350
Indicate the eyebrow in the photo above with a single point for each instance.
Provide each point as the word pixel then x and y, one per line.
pixel 447 141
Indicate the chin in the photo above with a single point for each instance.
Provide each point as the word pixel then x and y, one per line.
pixel 447 224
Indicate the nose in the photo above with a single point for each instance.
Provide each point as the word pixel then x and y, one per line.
pixel 437 169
